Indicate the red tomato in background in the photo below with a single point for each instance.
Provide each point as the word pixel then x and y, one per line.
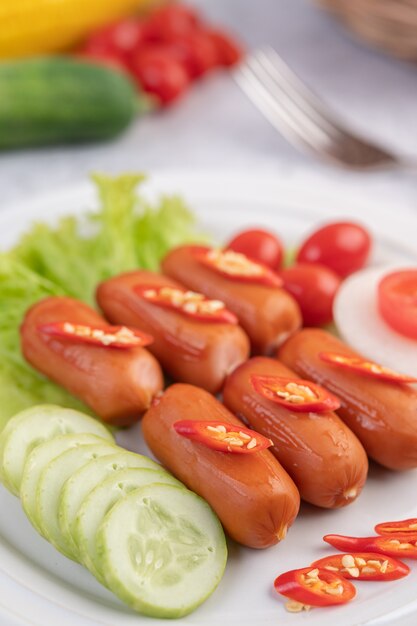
pixel 120 40
pixel 314 287
pixel 170 22
pixel 259 245
pixel 158 73
pixel 197 52
pixel 229 51
pixel 344 247
pixel 397 301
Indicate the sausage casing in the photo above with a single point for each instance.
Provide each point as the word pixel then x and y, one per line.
pixel 267 314
pixel 323 457
pixel 252 494
pixel 382 414
pixel 117 384
pixel 192 351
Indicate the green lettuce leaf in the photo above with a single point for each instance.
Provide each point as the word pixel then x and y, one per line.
pixel 125 233
pixel 71 258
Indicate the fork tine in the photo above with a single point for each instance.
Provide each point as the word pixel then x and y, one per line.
pixel 302 118
pixel 279 108
pixel 262 99
pixel 301 95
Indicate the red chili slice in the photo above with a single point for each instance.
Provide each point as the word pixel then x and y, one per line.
pixel 393 545
pixel 222 436
pixel 188 303
pixel 106 336
pixel 364 566
pixel 295 394
pixel 237 266
pixel 313 586
pixel 367 368
pixel 402 527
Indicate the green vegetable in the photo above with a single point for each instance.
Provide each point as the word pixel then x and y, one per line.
pixel 50 484
pixel 162 550
pixel 127 232
pixel 37 461
pixel 54 100
pixel 86 479
pixel 99 502
pixel 32 427
pixel 71 258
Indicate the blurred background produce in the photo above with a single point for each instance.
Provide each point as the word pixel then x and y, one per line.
pixel 214 126
pixel 88 93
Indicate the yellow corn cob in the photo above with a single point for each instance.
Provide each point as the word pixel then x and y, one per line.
pixel 31 27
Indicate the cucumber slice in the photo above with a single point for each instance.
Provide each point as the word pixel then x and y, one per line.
pixel 28 429
pixel 37 461
pixel 86 479
pixel 162 550
pixel 100 501
pixel 50 483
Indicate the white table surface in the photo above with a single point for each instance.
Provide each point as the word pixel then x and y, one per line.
pixel 216 126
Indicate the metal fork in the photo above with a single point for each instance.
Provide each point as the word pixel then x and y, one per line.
pixel 300 115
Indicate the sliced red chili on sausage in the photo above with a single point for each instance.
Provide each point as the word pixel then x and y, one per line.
pixel 364 566
pixel 392 545
pixel 106 336
pixel 402 526
pixel 189 303
pixel 237 266
pixel 222 436
pixel 314 586
pixel 367 368
pixel 295 394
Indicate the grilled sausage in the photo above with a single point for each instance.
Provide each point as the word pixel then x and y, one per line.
pixel 191 350
pixel 118 384
pixel 267 313
pixel 252 494
pixel 382 414
pixel 323 457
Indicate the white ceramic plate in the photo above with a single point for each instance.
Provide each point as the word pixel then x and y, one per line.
pixel 40 587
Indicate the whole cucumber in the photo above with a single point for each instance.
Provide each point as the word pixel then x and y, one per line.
pixel 56 100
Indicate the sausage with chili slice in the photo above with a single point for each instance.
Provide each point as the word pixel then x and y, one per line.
pixel 252 291
pixel 252 494
pixel 323 457
pixel 106 367
pixel 196 340
pixel 381 411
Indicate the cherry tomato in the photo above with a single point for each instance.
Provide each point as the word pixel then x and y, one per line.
pixel 170 22
pixel 295 394
pixel 222 436
pixel 120 40
pixel 196 51
pixel 315 586
pixel 395 544
pixel 366 368
pixel 106 336
pixel 229 51
pixel 159 74
pixel 344 247
pixel 188 303
pixel 259 245
pixel 364 566
pixel 403 526
pixel 237 267
pixel 314 287
pixel 397 301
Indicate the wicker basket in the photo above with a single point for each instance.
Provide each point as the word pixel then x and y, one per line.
pixel 388 24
